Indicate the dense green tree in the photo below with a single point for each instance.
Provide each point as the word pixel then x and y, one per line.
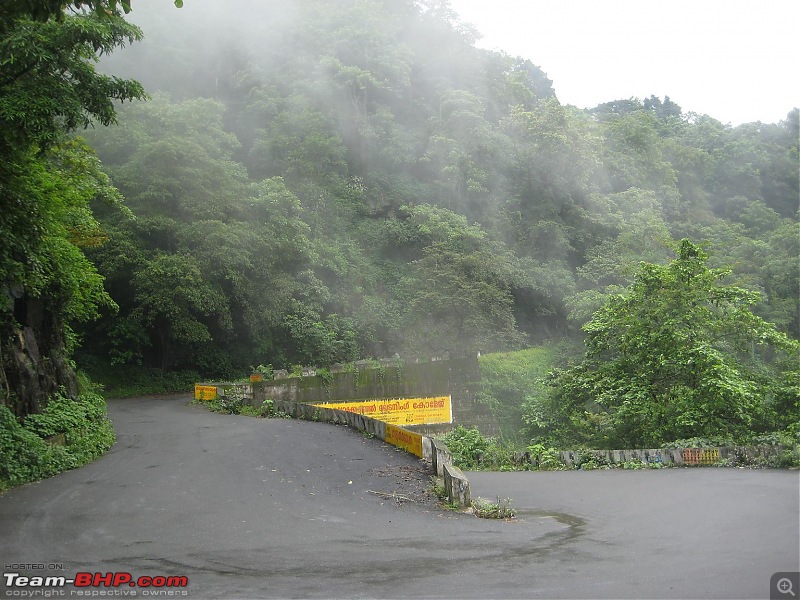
pixel 662 110
pixel 555 161
pixel 360 121
pixel 458 292
pixel 636 231
pixel 294 140
pixel 48 87
pixel 780 277
pixel 678 355
pixel 634 154
pixel 48 83
pixel 173 300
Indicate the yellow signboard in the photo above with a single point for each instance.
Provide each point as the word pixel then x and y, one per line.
pixel 408 440
pixel 205 392
pixel 256 378
pixel 402 411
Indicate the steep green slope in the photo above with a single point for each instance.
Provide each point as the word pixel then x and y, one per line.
pixel 342 179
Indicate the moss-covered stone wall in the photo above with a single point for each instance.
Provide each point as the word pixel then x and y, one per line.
pixel 459 378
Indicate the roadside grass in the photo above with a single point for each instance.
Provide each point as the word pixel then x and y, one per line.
pixel 486 509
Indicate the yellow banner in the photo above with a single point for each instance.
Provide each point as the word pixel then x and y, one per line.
pixel 402 411
pixel 408 440
pixel 205 392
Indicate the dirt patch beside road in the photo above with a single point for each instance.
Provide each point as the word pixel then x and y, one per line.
pixel 407 484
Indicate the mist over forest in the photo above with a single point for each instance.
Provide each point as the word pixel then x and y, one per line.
pixel 316 182
pixel 309 183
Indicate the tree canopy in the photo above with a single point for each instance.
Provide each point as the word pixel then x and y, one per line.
pixel 49 87
pixel 449 200
pixel 679 354
pixel 325 181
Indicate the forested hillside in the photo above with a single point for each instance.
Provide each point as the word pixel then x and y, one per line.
pixel 321 181
pixel 52 419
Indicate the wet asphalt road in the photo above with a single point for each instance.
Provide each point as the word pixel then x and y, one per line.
pixel 254 508
pixel 669 533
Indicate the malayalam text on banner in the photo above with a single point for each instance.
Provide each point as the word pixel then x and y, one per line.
pixel 205 392
pixel 402 411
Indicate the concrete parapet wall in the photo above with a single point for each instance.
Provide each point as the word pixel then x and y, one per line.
pixel 665 456
pixel 440 456
pixel 309 412
pixel 457 486
pixel 678 456
pixel 434 451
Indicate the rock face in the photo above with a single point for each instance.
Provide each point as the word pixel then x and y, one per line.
pixel 33 360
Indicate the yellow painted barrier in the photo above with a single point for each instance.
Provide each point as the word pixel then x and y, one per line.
pixel 408 440
pixel 700 456
pixel 205 392
pixel 402 411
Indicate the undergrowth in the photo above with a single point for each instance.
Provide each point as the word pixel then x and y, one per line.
pixel 67 434
pixel 234 403
pixel 132 381
pixel 485 509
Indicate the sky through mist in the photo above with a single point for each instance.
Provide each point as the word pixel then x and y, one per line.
pixel 735 60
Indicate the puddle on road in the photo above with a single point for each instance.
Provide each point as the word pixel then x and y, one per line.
pixel 552 543
pixel 393 561
pixel 574 525
pixel 569 520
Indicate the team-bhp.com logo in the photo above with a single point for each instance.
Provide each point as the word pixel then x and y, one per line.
pixel 95 584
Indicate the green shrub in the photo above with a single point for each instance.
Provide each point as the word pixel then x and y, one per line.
pixel 265 370
pixel 589 460
pixel 232 403
pixel 250 411
pixel 466 446
pixel 714 441
pixel 545 458
pixel 26 456
pixel 267 407
pixel 493 510
pixel 63 415
pixel 787 459
pixel 88 445
pixel 437 486
pixel 634 464
pixel 776 438
pixel 471 450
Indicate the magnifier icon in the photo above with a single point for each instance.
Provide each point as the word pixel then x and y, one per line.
pixel 784 586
